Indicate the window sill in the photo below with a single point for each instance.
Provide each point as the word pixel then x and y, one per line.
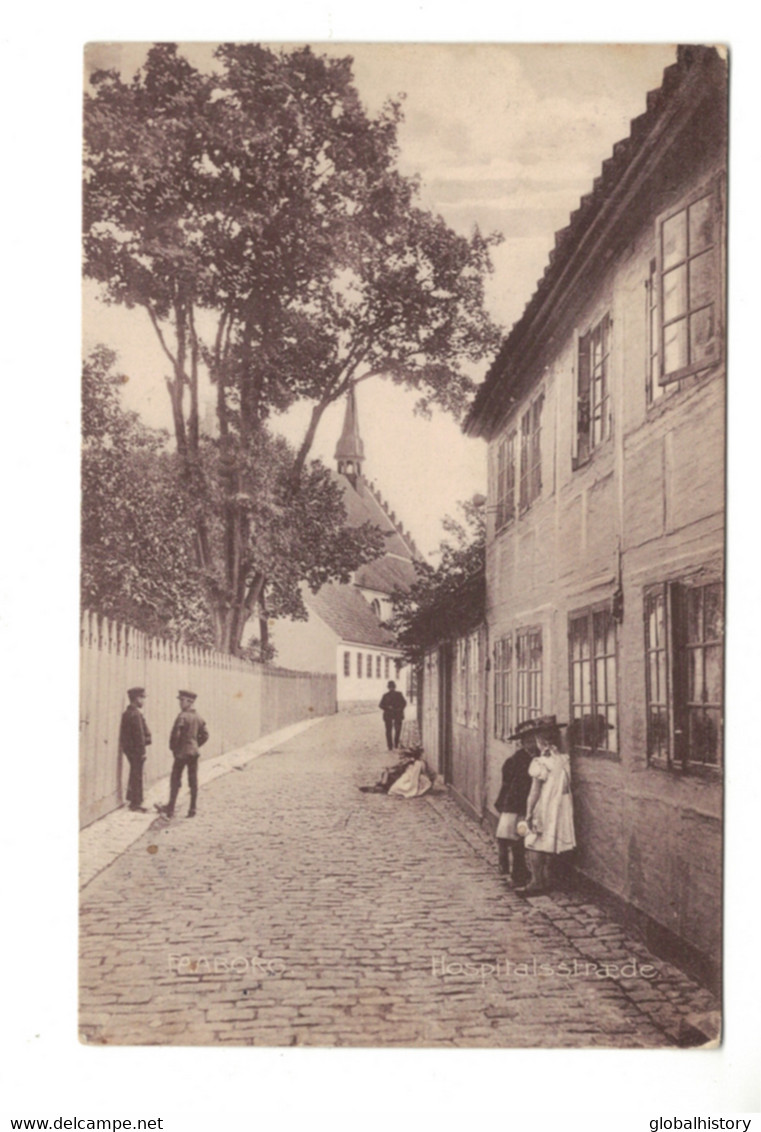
pixel 697 772
pixel 675 391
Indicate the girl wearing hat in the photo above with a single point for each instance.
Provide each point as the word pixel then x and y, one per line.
pixel 549 810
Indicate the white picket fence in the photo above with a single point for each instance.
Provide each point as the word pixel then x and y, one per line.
pixel 240 702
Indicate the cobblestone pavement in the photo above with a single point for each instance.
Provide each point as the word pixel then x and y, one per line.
pixel 296 910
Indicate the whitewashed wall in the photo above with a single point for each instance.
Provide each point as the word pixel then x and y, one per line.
pixel 240 703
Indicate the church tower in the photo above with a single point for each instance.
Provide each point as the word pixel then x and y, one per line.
pixel 350 451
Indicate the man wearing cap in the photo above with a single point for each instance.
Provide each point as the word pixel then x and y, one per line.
pixel 188 735
pixel 134 738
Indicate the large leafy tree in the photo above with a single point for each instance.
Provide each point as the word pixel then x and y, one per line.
pixel 255 213
pixel 137 555
pixel 139 560
pixel 446 600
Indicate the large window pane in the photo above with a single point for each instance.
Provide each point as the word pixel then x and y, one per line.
pixel 713 674
pixel 675 239
pixel 702 280
pixel 702 233
pixel 703 344
pixel 675 293
pixel 675 346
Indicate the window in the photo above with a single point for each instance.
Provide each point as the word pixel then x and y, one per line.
pixel 359 664
pixel 528 662
pixel 684 632
pixel 531 454
pixel 688 291
pixel 375 606
pixel 347 664
pixel 503 671
pixel 592 652
pixel 388 666
pixel 369 668
pixel 377 668
pixel 592 391
pixel 506 480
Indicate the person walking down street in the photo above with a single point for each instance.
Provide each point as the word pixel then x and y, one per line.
pixel 189 734
pixel 549 809
pixel 134 738
pixel 511 806
pixel 392 705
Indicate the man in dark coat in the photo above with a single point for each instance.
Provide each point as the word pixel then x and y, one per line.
pixel 392 705
pixel 134 738
pixel 188 735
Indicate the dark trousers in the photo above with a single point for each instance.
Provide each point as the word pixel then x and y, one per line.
pixel 180 762
pixel 135 783
pixel 393 723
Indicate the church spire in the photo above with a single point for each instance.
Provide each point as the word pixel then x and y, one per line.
pixel 350 451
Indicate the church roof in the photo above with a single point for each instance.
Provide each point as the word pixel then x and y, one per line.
pixel 348 614
pixel 343 608
pixel 387 574
pixel 364 504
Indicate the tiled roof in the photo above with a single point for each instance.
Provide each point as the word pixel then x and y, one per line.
pixel 365 505
pixel 348 614
pixel 387 574
pixel 695 75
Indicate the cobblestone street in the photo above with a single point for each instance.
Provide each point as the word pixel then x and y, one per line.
pixel 296 910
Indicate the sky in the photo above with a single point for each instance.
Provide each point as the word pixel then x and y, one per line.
pixel 504 137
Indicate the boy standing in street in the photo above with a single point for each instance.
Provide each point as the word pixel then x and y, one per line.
pixel 134 738
pixel 188 735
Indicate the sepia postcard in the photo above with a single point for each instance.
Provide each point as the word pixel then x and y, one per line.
pixel 403 545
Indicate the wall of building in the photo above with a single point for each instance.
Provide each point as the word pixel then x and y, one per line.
pixel 304 645
pixel 238 701
pixel 356 690
pixel 648 507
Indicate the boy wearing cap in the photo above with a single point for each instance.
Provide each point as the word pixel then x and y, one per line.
pixel 134 737
pixel 511 805
pixel 188 735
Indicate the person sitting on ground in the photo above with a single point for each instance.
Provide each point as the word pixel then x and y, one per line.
pixel 408 778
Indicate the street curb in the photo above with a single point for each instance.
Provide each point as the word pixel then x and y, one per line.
pixel 107 838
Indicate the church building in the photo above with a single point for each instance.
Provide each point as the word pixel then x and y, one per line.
pixel 344 632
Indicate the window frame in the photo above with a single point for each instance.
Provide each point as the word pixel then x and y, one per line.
pixel 529 478
pixel 588 615
pixel 713 189
pixel 675 754
pixel 503 690
pixel 505 479
pixel 592 385
pixel 529 692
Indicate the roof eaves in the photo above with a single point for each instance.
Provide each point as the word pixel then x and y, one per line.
pixel 490 398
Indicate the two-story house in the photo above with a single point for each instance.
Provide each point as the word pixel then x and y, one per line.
pixel 604 412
